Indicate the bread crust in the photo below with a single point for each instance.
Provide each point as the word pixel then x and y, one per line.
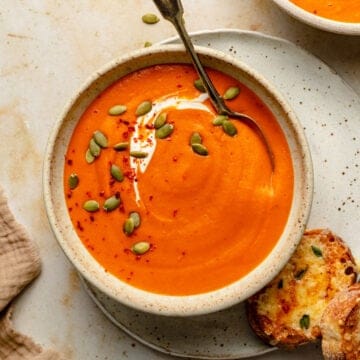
pixel 340 326
pixel 287 312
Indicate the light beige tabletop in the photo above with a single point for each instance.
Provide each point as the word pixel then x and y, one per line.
pixel 47 50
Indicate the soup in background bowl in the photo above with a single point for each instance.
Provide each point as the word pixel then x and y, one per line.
pixel 338 16
pixel 161 204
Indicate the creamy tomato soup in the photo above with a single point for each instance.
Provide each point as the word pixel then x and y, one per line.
pixel 340 10
pixel 188 207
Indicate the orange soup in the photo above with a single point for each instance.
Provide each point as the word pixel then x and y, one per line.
pixel 176 200
pixel 339 10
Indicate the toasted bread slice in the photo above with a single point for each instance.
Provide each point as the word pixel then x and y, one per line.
pixel 340 326
pixel 287 312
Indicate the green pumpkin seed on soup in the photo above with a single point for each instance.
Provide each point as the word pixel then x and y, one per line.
pixel 117 110
pixel 143 108
pixel 164 131
pixel 231 93
pixel 140 248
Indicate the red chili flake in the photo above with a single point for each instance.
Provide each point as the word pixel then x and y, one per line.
pixel 125 122
pixel 183 253
pixel 130 174
pixel 175 212
pixel 117 194
pixel 92 219
pixel 135 140
pixel 111 182
pixel 285 306
pixel 102 193
pixel 116 256
pixel 69 162
pixel 149 141
pixel 79 226
pixel 179 86
pixel 149 126
pixel 175 159
pixel 125 135
pixel 131 128
pixel 88 193
pixel 96 111
pixel 151 197
pixel 69 194
pixel 127 251
pixel 70 209
pixel 125 160
pixel 121 208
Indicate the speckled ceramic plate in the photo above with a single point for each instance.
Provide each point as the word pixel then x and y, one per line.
pixel 330 113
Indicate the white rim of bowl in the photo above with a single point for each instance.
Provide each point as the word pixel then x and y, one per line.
pixel 180 305
pixel 339 27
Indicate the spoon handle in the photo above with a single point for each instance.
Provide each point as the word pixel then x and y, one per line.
pixel 173 11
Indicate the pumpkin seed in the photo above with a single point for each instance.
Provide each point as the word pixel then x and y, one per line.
pixel 91 205
pixel 128 226
pixel 138 154
pixel 100 139
pixel 195 138
pixel 143 108
pixel 116 173
pixel 89 157
pixel 121 146
pixel 199 85
pixel 165 131
pixel 231 93
pixel 73 181
pixel 140 248
pixel 317 252
pixel 160 120
pixel 112 203
pixel 219 119
pixel 95 149
pixel 300 274
pixel 229 128
pixel 147 44
pixel 150 18
pixel 117 110
pixel 136 218
pixel 305 321
pixel 200 149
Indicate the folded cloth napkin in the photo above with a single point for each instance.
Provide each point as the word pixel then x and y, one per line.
pixel 19 265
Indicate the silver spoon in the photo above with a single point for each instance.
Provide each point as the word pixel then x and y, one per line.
pixel 173 11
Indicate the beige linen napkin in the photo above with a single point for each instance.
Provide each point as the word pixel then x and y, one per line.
pixel 19 265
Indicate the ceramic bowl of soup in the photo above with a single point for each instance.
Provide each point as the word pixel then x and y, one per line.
pixel 161 203
pixel 338 16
